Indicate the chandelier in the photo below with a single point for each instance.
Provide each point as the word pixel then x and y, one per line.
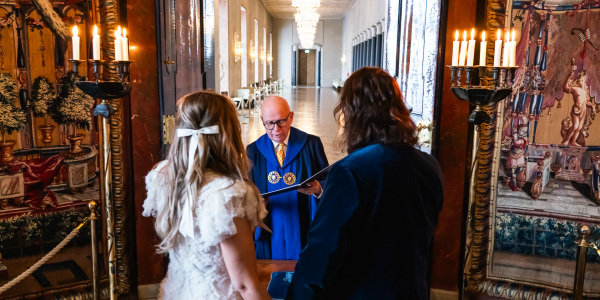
pixel 306 19
pixel 306 3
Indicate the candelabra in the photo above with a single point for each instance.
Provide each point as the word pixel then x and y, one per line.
pixel 479 94
pixel 476 91
pixel 106 90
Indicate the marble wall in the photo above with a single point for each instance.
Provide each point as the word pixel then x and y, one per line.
pixel 143 134
pixel 452 155
pixel 255 10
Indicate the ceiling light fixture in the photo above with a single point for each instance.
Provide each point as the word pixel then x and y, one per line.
pixel 307 20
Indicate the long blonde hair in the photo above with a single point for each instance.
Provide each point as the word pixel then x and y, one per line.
pixel 224 153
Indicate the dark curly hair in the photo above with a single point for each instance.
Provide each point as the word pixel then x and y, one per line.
pixel 371 110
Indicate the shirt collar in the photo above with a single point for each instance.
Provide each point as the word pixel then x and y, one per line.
pixel 275 144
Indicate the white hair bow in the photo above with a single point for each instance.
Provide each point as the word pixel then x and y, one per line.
pixel 186 227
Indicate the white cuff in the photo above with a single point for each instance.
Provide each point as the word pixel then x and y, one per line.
pixel 320 193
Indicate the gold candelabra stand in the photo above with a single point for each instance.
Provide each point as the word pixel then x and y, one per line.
pixel 484 95
pixel 106 90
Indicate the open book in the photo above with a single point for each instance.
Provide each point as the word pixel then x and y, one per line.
pixel 318 176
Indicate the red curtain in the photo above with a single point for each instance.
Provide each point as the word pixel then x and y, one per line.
pixel 38 174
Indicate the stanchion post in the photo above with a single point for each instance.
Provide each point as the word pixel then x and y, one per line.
pixel 93 217
pixel 105 110
pixel 581 259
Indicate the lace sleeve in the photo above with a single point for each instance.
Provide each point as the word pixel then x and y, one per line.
pixel 155 191
pixel 220 203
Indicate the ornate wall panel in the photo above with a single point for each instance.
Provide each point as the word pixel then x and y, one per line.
pixel 539 179
pixel 49 172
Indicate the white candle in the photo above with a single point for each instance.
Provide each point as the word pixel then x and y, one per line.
pixel 506 52
pixel 125 45
pixel 75 43
pixel 463 50
pixel 498 49
pixel 471 51
pixel 455 49
pixel 513 51
pixel 483 51
pixel 96 44
pixel 118 46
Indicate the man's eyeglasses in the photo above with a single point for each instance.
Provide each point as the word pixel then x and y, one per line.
pixel 280 123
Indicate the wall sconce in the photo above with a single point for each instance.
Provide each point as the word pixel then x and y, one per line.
pixel 252 52
pixel 269 58
pixel 238 47
pixel 263 55
pixel 343 59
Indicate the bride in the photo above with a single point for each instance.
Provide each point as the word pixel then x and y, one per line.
pixel 205 206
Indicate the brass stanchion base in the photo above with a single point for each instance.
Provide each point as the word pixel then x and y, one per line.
pixel 582 247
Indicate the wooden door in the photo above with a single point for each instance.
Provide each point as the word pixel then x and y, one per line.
pixel 311 68
pixel 182 54
pixel 302 78
pixel 181 50
pixel 307 68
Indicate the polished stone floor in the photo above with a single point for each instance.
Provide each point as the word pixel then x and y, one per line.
pixel 313 113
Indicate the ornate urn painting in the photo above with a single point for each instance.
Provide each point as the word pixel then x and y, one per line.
pixel 48 151
pixel 547 155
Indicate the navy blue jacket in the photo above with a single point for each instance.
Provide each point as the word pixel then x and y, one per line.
pixel 372 235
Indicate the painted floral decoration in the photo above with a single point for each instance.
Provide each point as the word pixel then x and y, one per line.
pixel 76 19
pixel 7 20
pixel 37 233
pixel 33 24
pixel 72 106
pixel 540 236
pixel 42 95
pixel 11 118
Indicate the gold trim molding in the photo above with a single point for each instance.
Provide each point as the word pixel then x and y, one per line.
pixel 478 235
pixel 109 20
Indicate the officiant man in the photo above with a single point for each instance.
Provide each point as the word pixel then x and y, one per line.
pixel 282 157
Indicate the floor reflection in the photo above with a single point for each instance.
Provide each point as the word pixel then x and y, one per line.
pixel 313 113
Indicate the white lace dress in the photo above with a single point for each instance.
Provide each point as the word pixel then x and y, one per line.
pixel 196 268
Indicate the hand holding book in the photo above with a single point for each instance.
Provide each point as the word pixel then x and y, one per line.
pixel 312 188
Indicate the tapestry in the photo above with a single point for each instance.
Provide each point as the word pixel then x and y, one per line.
pixel 549 159
pixel 48 151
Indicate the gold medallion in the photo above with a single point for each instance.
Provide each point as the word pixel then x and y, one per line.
pixel 274 177
pixel 289 178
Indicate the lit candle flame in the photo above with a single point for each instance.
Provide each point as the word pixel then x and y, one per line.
pixel 483 36
pixel 473 34
pixel 118 33
pixel 75 31
pixel 499 35
pixel 456 36
pixel 465 35
pixel 514 36
pixel 95 30
pixel 507 37
pixel 124 32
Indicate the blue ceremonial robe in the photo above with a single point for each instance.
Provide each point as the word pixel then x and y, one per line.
pixel 290 213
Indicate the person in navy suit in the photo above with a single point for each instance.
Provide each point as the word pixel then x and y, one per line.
pixel 372 235
pixel 282 157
